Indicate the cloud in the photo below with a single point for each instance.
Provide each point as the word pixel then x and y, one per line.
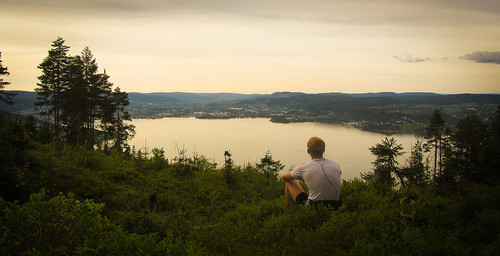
pixel 411 59
pixel 483 57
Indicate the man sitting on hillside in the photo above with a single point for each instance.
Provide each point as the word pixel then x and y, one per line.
pixel 321 175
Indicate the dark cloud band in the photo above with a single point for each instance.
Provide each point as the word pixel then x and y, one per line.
pixel 483 57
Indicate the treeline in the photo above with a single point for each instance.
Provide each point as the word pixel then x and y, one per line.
pixel 78 102
pixel 468 152
pixel 78 98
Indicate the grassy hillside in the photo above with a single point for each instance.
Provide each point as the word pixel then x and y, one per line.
pixel 58 199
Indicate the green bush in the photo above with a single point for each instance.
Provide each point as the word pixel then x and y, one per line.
pixel 65 225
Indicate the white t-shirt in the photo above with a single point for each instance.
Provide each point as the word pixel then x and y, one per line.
pixel 323 185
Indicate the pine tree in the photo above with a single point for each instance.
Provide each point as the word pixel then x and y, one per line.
pixel 5 97
pixel 84 97
pixel 269 166
pixel 114 120
pixel 416 173
pixel 490 152
pixel 53 81
pixel 386 156
pixel 228 168
pixel 97 87
pixel 75 95
pixel 468 139
pixel 437 136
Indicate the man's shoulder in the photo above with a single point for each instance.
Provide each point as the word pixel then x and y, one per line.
pixel 332 162
pixel 303 166
pixel 308 163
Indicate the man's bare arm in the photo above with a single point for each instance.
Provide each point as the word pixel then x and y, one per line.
pixel 287 176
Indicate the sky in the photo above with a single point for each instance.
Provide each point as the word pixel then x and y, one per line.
pixel 263 46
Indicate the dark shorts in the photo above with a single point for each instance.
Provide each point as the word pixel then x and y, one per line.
pixel 301 198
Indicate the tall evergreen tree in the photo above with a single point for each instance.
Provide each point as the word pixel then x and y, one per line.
pixel 468 139
pixel 5 97
pixel 437 139
pixel 97 87
pixel 490 152
pixel 73 102
pixel 416 173
pixel 99 90
pixel 114 120
pixel 77 97
pixel 84 98
pixel 53 81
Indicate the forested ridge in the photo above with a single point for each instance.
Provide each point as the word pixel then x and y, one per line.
pixel 75 187
pixel 387 113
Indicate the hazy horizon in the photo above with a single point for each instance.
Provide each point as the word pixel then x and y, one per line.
pixel 408 92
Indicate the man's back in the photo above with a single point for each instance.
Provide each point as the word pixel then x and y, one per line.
pixel 322 177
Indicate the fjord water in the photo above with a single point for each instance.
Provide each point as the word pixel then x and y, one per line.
pixel 249 139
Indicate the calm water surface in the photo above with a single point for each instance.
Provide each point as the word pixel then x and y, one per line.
pixel 249 139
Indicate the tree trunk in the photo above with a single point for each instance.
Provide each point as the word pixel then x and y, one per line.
pixel 382 175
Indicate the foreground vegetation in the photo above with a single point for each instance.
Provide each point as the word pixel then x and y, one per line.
pixel 61 199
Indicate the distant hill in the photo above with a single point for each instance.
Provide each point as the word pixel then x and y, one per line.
pixel 182 98
pixel 23 102
pixel 334 107
pixel 303 99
